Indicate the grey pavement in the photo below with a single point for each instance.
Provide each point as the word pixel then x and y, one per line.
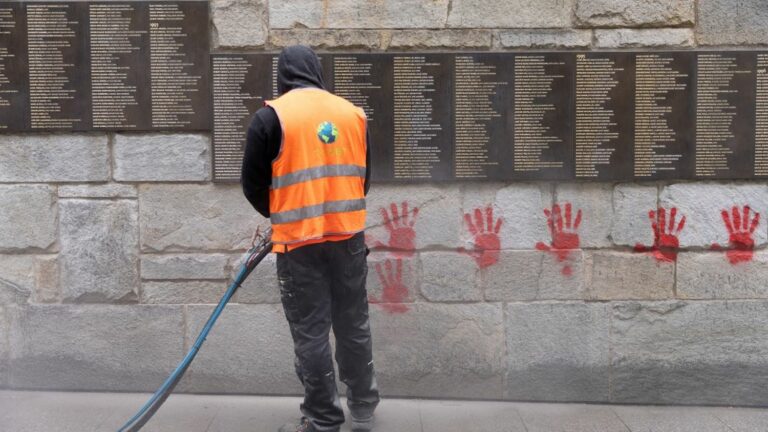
pixel 86 412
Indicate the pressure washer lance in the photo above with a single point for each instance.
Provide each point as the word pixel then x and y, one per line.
pixel 261 246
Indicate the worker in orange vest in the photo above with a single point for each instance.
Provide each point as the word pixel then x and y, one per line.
pixel 306 167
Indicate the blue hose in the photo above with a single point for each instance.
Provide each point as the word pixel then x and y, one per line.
pixel 255 256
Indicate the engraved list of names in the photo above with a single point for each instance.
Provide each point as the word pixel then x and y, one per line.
pixel 543 114
pixel 725 115
pixel 663 108
pixel 240 86
pixel 422 115
pixel 604 98
pixel 482 102
pixel 761 117
pixel 13 74
pixel 179 65
pixel 118 71
pixel 57 59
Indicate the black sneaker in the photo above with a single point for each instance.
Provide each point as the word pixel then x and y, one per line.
pixel 361 424
pixel 303 426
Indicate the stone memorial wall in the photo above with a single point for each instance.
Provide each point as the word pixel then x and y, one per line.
pixel 614 250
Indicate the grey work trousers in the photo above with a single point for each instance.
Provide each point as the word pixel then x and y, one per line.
pixel 322 286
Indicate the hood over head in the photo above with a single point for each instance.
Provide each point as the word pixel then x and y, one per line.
pixel 298 66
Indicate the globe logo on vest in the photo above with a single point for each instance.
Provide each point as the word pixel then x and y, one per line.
pixel 327 132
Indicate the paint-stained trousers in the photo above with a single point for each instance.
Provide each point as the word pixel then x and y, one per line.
pixel 322 286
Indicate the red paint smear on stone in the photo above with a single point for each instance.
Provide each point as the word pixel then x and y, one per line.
pixel 399 223
pixel 665 235
pixel 486 237
pixel 563 227
pixel 394 292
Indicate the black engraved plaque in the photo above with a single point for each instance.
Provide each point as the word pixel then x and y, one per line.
pixel 14 84
pixel 422 100
pixel 725 115
pixel 106 66
pixel 483 116
pixel 58 66
pixel 604 115
pixel 543 116
pixel 664 113
pixel 120 70
pixel 241 84
pixel 179 65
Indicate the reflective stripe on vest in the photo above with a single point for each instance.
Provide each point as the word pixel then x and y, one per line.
pixel 318 177
pixel 316 173
pixel 317 210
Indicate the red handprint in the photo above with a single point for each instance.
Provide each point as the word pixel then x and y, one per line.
pixel 394 291
pixel 564 236
pixel 740 234
pixel 486 233
pixel 665 241
pixel 400 226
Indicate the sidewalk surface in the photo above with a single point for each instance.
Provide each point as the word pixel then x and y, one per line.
pixel 86 412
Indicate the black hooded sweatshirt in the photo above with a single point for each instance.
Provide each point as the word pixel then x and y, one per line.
pixel 297 67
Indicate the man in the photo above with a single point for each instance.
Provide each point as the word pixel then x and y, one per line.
pixel 306 168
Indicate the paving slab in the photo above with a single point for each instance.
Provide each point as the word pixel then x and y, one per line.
pixel 570 418
pixel 742 419
pixel 439 416
pixel 26 411
pixel 671 419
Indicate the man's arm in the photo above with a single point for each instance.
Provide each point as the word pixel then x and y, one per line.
pixel 261 148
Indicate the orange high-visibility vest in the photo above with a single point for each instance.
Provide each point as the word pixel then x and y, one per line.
pixel 318 177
